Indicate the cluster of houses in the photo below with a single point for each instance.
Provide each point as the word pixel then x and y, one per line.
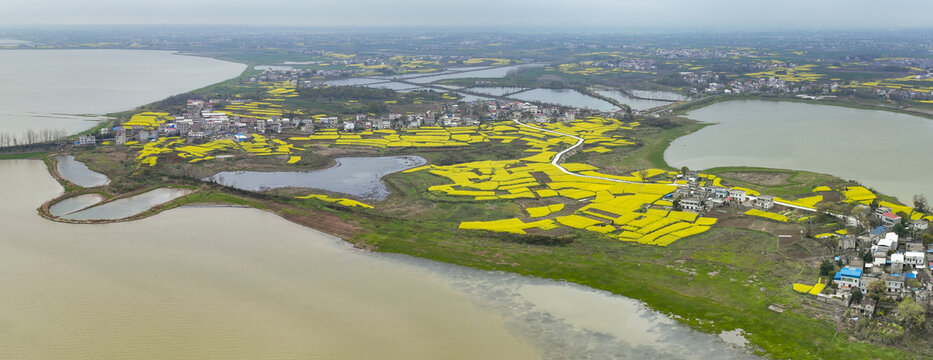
pixel 891 260
pixel 692 196
pixel 202 121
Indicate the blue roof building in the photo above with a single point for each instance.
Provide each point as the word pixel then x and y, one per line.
pixel 848 277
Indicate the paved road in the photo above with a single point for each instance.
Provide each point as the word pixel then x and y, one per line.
pixel 556 161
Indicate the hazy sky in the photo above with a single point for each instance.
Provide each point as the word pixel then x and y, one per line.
pixel 682 14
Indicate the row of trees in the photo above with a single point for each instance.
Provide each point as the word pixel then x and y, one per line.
pixel 30 137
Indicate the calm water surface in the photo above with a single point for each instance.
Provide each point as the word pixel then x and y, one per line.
pixel 496 90
pixel 636 104
pixel 78 173
pixel 357 176
pixel 217 283
pixel 126 207
pixel 565 97
pixel 887 151
pixel 75 203
pixel 50 89
pixel 220 283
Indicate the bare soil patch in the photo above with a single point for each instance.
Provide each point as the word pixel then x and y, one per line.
pixel 759 177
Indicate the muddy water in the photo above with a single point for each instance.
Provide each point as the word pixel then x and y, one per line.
pixel 231 283
pixel 216 283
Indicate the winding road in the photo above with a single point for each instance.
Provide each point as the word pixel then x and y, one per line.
pixel 556 162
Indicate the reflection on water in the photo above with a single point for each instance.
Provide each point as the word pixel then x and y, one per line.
pixel 78 173
pixel 126 207
pixel 357 176
pixel 569 321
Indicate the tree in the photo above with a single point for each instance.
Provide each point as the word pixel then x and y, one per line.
pixel 900 229
pixel 911 314
pixel 927 239
pixel 827 267
pixel 643 175
pixel 856 296
pixel 868 257
pixel 684 170
pixel 876 289
pixel 920 203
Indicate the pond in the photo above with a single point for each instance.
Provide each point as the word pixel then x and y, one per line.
pixel 887 151
pixel 636 104
pixel 72 204
pixel 495 72
pixel 357 176
pixel 496 90
pixel 659 95
pixel 78 173
pixel 565 97
pixel 126 207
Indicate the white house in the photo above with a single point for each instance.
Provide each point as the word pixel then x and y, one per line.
pixel 86 140
pixel 765 202
pixel 913 258
pixel 690 203
pixel 738 195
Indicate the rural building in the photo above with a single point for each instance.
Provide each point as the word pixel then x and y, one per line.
pixel 85 140
pixel 690 203
pixel 738 195
pixel 913 258
pixel 848 277
pixel 894 284
pixel 765 202
pixel 866 307
pixel 890 219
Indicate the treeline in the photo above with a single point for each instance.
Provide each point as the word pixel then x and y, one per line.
pixel 31 137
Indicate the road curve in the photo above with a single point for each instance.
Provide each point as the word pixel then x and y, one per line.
pixel 556 162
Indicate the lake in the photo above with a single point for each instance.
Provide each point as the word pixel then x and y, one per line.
pixel 78 173
pixel 357 176
pixel 237 283
pixel 887 151
pixel 70 89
